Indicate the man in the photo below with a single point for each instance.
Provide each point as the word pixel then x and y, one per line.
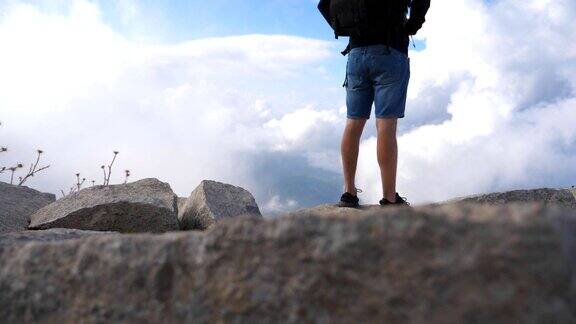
pixel 377 72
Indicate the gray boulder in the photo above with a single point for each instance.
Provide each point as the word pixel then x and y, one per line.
pixel 563 197
pixel 144 206
pixel 17 204
pixel 454 263
pixel 212 202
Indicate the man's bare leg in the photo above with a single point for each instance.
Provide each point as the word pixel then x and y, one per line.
pixel 387 150
pixel 350 148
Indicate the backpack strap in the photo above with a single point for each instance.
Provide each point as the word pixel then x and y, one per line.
pixel 346 50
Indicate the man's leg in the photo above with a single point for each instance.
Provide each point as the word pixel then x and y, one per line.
pixel 387 150
pixel 350 148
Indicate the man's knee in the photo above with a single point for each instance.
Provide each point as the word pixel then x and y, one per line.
pixel 356 124
pixel 386 125
pixel 352 132
pixel 386 132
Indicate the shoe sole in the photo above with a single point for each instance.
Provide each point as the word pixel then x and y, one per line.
pixel 348 205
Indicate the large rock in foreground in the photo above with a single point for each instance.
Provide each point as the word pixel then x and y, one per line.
pixel 17 204
pixel 212 202
pixel 144 206
pixel 563 197
pixel 332 210
pixel 433 264
pixel 51 235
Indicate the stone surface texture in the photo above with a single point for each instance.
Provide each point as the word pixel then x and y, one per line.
pixel 144 206
pixel 17 204
pixel 332 210
pixel 181 205
pixel 50 235
pixel 563 197
pixel 212 202
pixel 453 263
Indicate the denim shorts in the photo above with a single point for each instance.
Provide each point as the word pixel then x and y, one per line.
pixel 377 75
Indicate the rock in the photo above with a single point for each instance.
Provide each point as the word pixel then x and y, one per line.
pixel 212 202
pixel 332 210
pixel 51 235
pixel 454 263
pixel 181 205
pixel 563 197
pixel 144 206
pixel 17 203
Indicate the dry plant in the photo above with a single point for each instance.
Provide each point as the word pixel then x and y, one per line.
pixel 78 183
pixel 107 175
pixel 33 170
pixel 127 175
pixel 76 187
pixel 107 172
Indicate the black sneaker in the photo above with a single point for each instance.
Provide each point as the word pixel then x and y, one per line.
pixel 349 200
pixel 400 201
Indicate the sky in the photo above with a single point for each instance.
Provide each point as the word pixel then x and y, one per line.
pixel 249 92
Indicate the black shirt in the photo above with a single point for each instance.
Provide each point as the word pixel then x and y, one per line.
pixel 398 40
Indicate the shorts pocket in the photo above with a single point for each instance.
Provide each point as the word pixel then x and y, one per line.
pixel 346 73
pixel 357 77
pixel 387 69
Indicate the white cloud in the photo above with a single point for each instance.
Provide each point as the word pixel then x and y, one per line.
pixel 48 60
pixel 276 205
pixel 300 128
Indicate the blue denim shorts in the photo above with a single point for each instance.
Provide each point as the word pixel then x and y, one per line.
pixel 377 75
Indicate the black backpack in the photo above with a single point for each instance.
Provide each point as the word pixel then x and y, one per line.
pixel 364 18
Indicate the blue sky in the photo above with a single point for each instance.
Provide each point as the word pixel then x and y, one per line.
pixel 180 20
pixel 183 20
pixel 249 92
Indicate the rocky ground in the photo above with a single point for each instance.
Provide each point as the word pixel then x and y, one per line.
pixel 495 258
